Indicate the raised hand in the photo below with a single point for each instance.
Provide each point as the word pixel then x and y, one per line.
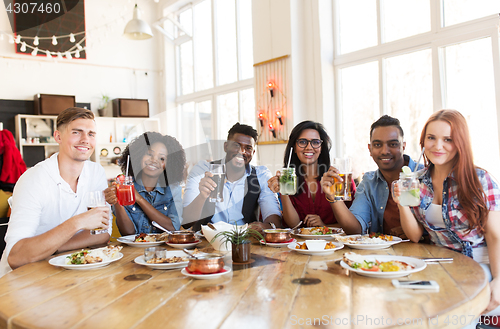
pixel 207 185
pixel 274 183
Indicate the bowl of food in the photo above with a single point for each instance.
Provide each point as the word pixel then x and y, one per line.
pixel 206 264
pixel 181 237
pixel 278 235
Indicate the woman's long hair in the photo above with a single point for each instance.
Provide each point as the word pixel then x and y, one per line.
pixel 176 157
pixel 324 156
pixel 470 191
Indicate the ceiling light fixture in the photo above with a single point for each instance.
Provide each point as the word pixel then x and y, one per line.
pixel 137 29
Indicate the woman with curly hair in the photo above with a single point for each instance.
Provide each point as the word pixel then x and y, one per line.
pixel 157 165
pixel 459 202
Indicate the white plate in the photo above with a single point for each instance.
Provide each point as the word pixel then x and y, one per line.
pixel 61 262
pixel 164 266
pixel 339 245
pixel 371 246
pixel 314 236
pixel 184 245
pixel 418 263
pixel 206 276
pixel 277 245
pixel 129 239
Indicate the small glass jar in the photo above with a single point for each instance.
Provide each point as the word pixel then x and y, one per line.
pixel 288 181
pixel 409 186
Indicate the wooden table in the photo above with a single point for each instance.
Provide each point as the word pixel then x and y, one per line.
pixel 260 295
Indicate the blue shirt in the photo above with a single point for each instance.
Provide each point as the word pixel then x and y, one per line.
pixel 371 198
pixel 230 210
pixel 164 199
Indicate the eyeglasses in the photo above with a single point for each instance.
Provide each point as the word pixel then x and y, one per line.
pixel 315 143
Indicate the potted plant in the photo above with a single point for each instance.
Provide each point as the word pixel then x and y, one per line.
pixel 239 237
pixel 103 104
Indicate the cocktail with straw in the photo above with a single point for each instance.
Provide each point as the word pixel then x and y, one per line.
pixel 125 189
pixel 409 185
pixel 288 178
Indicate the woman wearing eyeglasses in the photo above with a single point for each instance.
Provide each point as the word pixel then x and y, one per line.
pixel 311 159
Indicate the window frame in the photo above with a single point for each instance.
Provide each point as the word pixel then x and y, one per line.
pixel 211 93
pixel 436 40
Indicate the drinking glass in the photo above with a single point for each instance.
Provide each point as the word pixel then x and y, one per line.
pixel 96 199
pixel 409 186
pixel 288 181
pixel 125 191
pixel 218 171
pixel 342 190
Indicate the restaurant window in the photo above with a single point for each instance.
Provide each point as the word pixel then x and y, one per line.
pixel 429 65
pixel 215 67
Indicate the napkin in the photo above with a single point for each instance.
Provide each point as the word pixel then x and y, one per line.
pixel 220 226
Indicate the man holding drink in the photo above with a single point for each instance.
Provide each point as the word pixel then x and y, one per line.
pixel 49 212
pixel 240 194
pixel 373 209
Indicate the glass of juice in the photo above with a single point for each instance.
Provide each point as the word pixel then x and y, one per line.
pixel 409 186
pixel 96 199
pixel 125 191
pixel 288 181
pixel 218 171
pixel 342 190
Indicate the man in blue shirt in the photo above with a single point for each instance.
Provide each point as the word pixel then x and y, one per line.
pixel 373 209
pixel 245 187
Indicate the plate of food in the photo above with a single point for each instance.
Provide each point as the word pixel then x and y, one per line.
pixel 277 244
pixel 88 259
pixel 382 266
pixel 143 240
pixel 329 248
pixel 372 241
pixel 224 271
pixel 322 232
pixel 175 259
pixel 184 245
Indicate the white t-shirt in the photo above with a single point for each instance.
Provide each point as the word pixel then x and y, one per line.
pixel 43 200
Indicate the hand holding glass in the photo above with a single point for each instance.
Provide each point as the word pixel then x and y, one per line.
pixel 125 191
pixel 342 190
pixel 218 171
pixel 409 187
pixel 96 199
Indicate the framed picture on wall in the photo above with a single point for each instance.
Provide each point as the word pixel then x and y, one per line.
pixel 55 26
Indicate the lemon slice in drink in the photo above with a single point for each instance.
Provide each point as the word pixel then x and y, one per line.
pixel 406 170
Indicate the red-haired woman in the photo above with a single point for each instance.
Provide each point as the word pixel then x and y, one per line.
pixel 459 202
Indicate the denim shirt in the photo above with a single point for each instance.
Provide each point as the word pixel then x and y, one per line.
pixel 164 199
pixel 371 199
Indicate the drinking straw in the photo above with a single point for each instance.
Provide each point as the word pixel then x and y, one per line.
pixel 289 158
pixel 419 158
pixel 128 161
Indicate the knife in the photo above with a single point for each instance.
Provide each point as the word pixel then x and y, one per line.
pixel 430 259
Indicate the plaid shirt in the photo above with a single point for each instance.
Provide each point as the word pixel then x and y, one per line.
pixel 455 234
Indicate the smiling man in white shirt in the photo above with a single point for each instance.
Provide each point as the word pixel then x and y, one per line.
pixel 49 213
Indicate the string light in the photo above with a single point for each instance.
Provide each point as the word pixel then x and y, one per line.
pixel 68 55
pixel 34 52
pixel 77 54
pixel 72 37
pixel 272 130
pixel 79 47
pixel 54 40
pixel 23 46
pixel 278 115
pixel 261 119
pixel 59 55
pixel 35 42
pixel 48 54
pixel 18 39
